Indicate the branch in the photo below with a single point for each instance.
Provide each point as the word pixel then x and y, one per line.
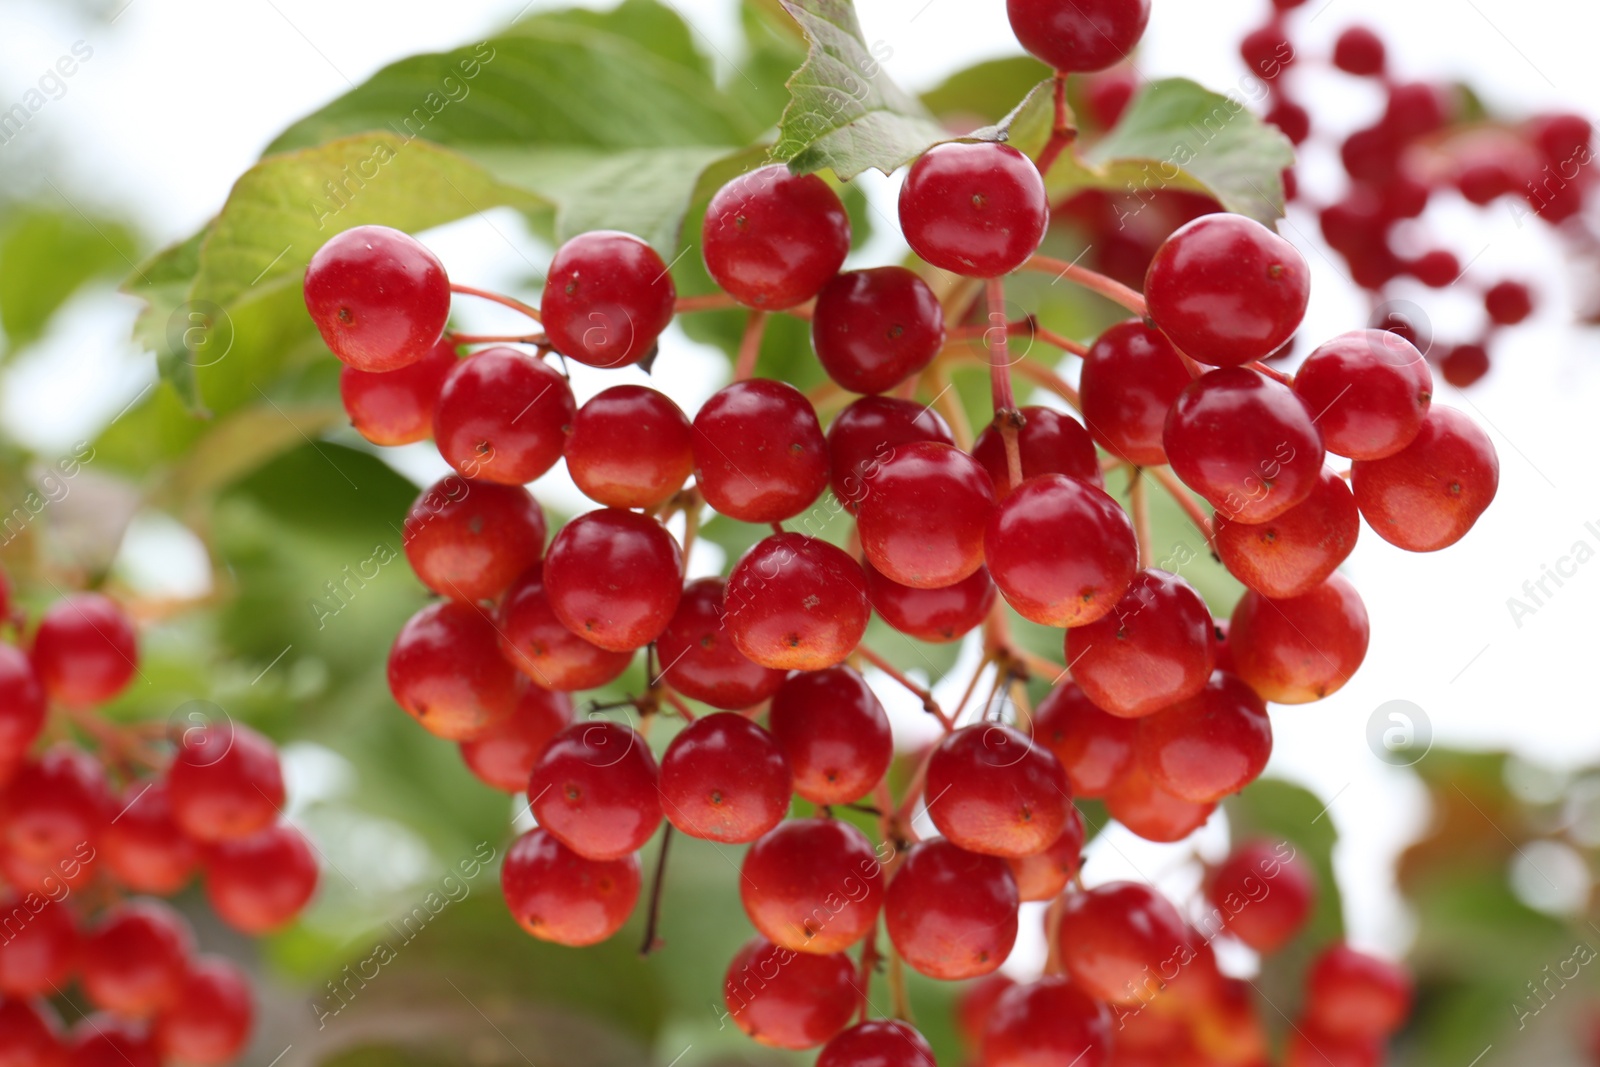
pixel 1091 280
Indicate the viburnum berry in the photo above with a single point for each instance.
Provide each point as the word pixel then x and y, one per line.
pixel 1043 875
pixel 84 651
pixel 1311 1046
pixel 29 1035
pixel 1429 494
pixel 699 659
pixel 379 298
pixel 975 1005
pixel 724 778
pixel 1464 365
pixel 1151 811
pixel 55 807
pixel 1052 1020
pixel 446 671
pixel 40 950
pixel 1357 995
pixel 992 790
pixel 1122 941
pixel 1094 747
pixel 950 913
pixel 539 645
pixel 869 433
pixel 977 209
pixel 470 539
pixel 812 885
pixel 834 733
pixel 1131 378
pixel 595 788
pixel 396 407
pixel 22 706
pixel 224 782
pixel 933 615
pixel 1359 51
pixel 877 1043
pixel 772 239
pixel 1267 51
pixel 1295 122
pixel 209 1022
pixel 107 1040
pixel 1085 35
pixel 1302 649
pixel 796 603
pixel 1291 554
pixel 1152 650
pixel 613 577
pixel 503 416
pixel 1209 745
pixel 1263 893
pixel 258 884
pixel 759 453
pixel 1049 442
pixel 923 520
pixel 787 999
pixel 134 960
pixel 557 895
pixel 607 297
pixel 1368 392
pixel 630 447
pixel 872 329
pixel 503 755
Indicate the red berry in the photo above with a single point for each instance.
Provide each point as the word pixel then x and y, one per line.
pixel 595 789
pixel 1152 650
pixel 504 754
pixel 85 651
pixel 607 297
pixel 55 807
pixel 872 329
pixel 557 895
pixel 1227 290
pixel 935 615
pixel 105 1040
pixel 1152 812
pixel 39 951
pixel 1359 51
pixel 1209 746
pixel 224 782
pixel 1352 994
pixel 1048 443
pixel 630 447
pixel 1266 51
pixel 1094 747
pixel 503 416
pixel 1436 269
pixel 446 671
pixel 396 407
pixel 812 885
pixel 975 1006
pixel 922 523
pixel 469 539
pixel 534 641
pixel 1295 122
pixel 1263 894
pixel 1429 494
pixel 1368 392
pixel 788 999
pixel 869 433
pixel 258 884
pixel 725 779
pixel 1082 36
pixel 378 297
pixel 990 789
pixel 1043 875
pixel 877 1043
pixel 28 1036
pixel 209 1023
pixel 613 577
pixel 22 707
pixel 1131 378
pixel 977 209
pixel 834 733
pixel 133 962
pixel 1121 942
pixel 1302 649
pixel 1415 109
pixel 1289 555
pixel 951 913
pixel 1310 1046
pixel 796 603
pixel 1107 95
pixel 1050 1021
pixel 773 239
pixel 759 453
pixel 1061 551
pixel 1508 303
pixel 1465 365
pixel 698 657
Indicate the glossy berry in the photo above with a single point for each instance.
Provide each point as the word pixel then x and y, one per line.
pixel 773 239
pixel 950 913
pixel 55 807
pixel 1368 392
pixel 1122 941
pixel 872 329
pixel 1061 551
pixel 210 1021
pixel 977 209
pixel 788 999
pixel 1263 893
pixel 613 577
pixel 759 453
pixel 607 297
pixel 877 1043
pixel 378 297
pixel 107 1040
pixel 868 434
pixel 934 615
pixel 84 651
pixel 446 671
pixel 724 779
pixel 1093 746
pixel 1429 494
pixel 133 961
pixel 834 733
pixel 1153 649
pixel 224 782
pixel 812 885
pixel 1464 365
pixel 1302 649
pixel 1131 378
pixel 1209 746
pixel 1043 875
pixel 1050 1021
pixel 796 603
pixel 630 447
pixel 557 895
pixel 22 706
pixel 698 657
pixel 975 1006
pixel 1267 51
pixel 1311 1046
pixel 1359 51
pixel 923 521
pixel 992 790
pixel 258 884
pixel 1291 554
pixel 1356 995
pixel 396 407
pixel 1049 442
pixel 28 1035
pixel 1244 442
pixel 503 416
pixel 1227 290
pixel 469 540
pixel 534 641
pixel 595 789
pixel 1151 811
pixel 40 950
pixel 503 755
pixel 1078 37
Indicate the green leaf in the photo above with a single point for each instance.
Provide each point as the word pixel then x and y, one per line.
pixel 46 255
pixel 985 92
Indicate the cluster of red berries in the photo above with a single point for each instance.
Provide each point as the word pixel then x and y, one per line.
pixel 81 829
pixel 1165 714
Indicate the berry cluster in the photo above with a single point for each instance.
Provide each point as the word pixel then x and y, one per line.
pixel 1164 715
pixel 81 828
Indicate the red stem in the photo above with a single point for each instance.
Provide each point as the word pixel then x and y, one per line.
pixel 929 705
pixel 510 302
pixel 1006 416
pixel 1091 280
pixel 750 346
pixel 1061 133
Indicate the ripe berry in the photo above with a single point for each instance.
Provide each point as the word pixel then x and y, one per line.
pixel 1359 51
pixel 1245 443
pixel 1302 649
pixel 1049 1021
pixel 724 779
pixel 1152 812
pixel 534 641
pixel 28 1036
pixel 630 447
pixel 1429 494
pixel 1043 875
pixel 1267 51
pixel 503 416
pixel 1049 443
pixel 935 615
pixel 978 209
pixel 1508 303
pixel 922 523
pixel 1061 551
pixel 84 651
pixel 504 754
pixel 812 885
pixel 950 913
pixel 1289 555
pixel 1311 1046
pixel 869 433
pixel 39 952
pixel 22 706
pixel 788 999
pixel 595 790
pixel 834 733
pixel 613 577
pixel 447 673
pixel 1209 746
pixel 872 329
pixel 1355 995
pixel 557 895
pixel 1464 365
pixel 759 453
pixel 258 884
pixel 396 407
pixel 877 1043
pixel 1227 290
pixel 796 603
pixel 1436 269
pixel 106 1040
pixel 773 239
pixel 1081 36
pixel 975 1005
pixel 607 297
pixel 224 782
pixel 1368 392
pixel 699 658
pixel 470 539
pixel 1094 747
pixel 1263 895
pixel 1295 122
pixel 54 806
pixel 378 297
pixel 133 962
pixel 992 790
pixel 1122 941
pixel 1153 649
pixel 209 1023
pixel 1131 378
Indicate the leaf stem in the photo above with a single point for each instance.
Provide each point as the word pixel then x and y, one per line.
pixel 499 298
pixel 1062 132
pixel 1091 280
